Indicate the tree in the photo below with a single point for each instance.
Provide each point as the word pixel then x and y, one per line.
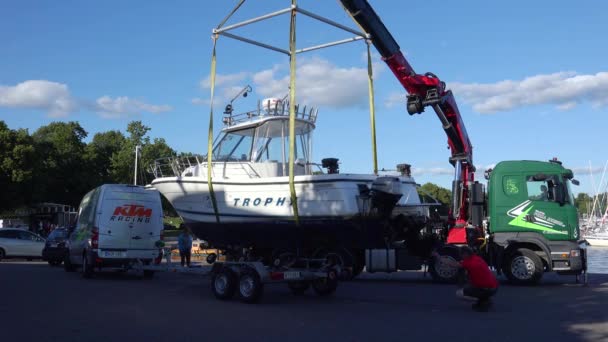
pixel 443 195
pixel 17 157
pixel 61 172
pixel 100 153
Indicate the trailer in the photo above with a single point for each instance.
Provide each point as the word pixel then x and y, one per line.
pixel 248 277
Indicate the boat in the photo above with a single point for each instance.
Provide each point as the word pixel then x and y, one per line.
pixel 250 178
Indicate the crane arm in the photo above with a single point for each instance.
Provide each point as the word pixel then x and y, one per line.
pixel 425 91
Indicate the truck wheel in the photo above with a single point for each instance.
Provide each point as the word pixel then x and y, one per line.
pixel 250 286
pixel 298 287
pixel 523 267
pixel 223 283
pixel 325 286
pixel 67 264
pixel 87 269
pixel 440 271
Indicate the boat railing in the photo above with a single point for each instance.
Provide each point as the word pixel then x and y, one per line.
pixel 174 166
pixel 278 108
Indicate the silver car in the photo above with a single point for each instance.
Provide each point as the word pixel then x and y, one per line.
pixel 20 243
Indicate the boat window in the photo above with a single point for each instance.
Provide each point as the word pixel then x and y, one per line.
pixel 272 142
pixel 234 146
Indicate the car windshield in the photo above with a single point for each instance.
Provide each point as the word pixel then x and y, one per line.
pixel 58 234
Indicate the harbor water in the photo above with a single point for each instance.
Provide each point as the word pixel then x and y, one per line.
pixel 598 260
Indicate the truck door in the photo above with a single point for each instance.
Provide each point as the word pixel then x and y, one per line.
pixel 544 214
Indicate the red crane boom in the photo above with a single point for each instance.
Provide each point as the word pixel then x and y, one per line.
pixel 427 91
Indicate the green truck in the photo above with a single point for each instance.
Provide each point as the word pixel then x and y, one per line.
pixel 532 222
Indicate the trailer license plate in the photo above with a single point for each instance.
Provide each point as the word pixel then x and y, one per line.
pixel 291 275
pixel 113 254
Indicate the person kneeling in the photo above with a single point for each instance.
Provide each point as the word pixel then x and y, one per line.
pixel 482 282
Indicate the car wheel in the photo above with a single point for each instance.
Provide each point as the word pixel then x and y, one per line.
pixel 2 254
pixel 87 269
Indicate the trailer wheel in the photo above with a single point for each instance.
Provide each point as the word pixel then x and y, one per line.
pixel 250 286
pixel 223 283
pixel 326 286
pixel 298 287
pixel 523 267
pixel 440 271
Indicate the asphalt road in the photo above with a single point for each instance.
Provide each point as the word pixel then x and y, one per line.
pixel 43 303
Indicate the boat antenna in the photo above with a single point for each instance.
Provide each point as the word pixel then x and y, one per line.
pixel 229 109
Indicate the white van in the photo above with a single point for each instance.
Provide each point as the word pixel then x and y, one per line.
pixel 117 225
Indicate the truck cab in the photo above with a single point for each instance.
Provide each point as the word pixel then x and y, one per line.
pixel 533 222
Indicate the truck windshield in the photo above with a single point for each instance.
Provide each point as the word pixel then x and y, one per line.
pixel 569 194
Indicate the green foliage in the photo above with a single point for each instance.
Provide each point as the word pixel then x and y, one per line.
pixel 443 195
pixel 54 164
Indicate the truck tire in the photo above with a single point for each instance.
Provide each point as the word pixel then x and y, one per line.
pixel 298 287
pixel 251 287
pixel 442 273
pixel 223 283
pixel 523 267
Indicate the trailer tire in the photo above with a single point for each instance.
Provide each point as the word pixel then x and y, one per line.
pixel 298 287
pixel 325 286
pixel 251 287
pixel 223 283
pixel 439 272
pixel 523 267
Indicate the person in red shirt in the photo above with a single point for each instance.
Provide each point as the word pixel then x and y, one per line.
pixel 482 282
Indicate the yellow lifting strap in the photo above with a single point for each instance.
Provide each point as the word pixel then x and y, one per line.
pixel 372 109
pixel 292 110
pixel 210 135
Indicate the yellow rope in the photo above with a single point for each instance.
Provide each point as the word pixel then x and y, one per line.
pixel 372 109
pixel 292 110
pixel 210 136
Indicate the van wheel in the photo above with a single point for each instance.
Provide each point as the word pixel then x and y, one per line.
pixel 87 269
pixel 67 264
pixel 2 254
pixel 523 267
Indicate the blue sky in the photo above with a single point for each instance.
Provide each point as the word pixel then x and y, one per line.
pixel 530 78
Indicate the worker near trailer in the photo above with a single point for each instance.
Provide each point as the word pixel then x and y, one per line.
pixel 482 282
pixel 184 244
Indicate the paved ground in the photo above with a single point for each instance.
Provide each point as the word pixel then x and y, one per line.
pixel 40 303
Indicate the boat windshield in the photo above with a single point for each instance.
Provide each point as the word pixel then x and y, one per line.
pixel 268 142
pixel 234 146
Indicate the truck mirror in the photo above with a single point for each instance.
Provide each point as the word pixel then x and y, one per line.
pixel 576 182
pixel 539 177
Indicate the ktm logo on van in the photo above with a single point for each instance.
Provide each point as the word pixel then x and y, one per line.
pixel 132 213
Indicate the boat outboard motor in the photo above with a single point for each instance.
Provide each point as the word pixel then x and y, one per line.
pixel 331 164
pixel 385 192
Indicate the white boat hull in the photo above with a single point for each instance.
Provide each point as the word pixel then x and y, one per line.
pixel 597 241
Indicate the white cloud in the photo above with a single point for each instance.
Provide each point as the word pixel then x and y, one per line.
pixel 563 89
pixel 224 80
pixel 200 102
pixel 115 107
pixel 318 83
pixel 50 96
pixel 395 99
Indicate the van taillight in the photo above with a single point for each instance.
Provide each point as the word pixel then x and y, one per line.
pixel 95 238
